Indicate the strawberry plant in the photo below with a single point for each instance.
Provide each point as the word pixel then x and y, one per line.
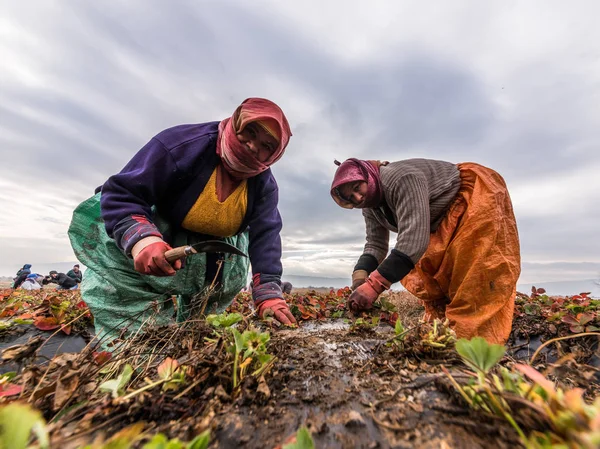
pixel 580 323
pixel 249 353
pixel 116 387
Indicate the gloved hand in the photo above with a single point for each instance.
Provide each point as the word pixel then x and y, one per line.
pixel 149 257
pixel 358 278
pixel 278 308
pixel 365 295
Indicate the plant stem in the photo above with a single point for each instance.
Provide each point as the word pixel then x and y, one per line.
pixel 535 354
pixel 235 368
pixel 144 388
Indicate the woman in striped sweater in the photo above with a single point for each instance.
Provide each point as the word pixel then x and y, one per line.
pixel 457 246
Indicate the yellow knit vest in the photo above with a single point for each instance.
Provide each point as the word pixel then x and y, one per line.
pixel 213 217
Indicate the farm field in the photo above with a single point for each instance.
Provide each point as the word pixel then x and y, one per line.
pixel 379 380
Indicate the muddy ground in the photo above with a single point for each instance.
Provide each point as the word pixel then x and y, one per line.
pixel 335 382
pixel 351 386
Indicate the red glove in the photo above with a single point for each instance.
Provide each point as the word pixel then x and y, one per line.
pixel 278 308
pixel 365 294
pixel 151 260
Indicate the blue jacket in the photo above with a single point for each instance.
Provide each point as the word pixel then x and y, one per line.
pixel 170 172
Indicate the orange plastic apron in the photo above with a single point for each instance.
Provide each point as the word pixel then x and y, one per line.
pixel 470 270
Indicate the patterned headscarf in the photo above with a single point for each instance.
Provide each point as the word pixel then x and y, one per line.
pixel 237 160
pixel 352 170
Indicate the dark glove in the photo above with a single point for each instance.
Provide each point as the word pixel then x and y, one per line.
pixel 365 295
pixel 278 308
pixel 151 260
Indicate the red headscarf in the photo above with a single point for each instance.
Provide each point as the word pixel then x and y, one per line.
pixel 237 160
pixel 352 170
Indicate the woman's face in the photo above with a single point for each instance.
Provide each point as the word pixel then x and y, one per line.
pixel 354 192
pixel 258 141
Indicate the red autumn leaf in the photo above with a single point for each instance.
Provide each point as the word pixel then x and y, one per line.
pixel 570 319
pixel 167 368
pixel 66 329
pixel 101 357
pixel 25 316
pixel 538 378
pixel 10 390
pixel 46 323
pixel 81 305
pixel 584 318
pixel 6 313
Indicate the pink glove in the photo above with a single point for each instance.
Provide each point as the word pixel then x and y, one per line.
pixel 151 260
pixel 278 308
pixel 365 294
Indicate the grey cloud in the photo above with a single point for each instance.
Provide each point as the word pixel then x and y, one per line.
pixel 157 66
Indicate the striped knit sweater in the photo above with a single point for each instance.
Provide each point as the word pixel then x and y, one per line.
pixel 417 194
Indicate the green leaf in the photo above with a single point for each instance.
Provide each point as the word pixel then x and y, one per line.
pixel 116 386
pixel 303 440
pixel 9 375
pixel 399 327
pixel 239 341
pixel 16 423
pixel 386 305
pixel 224 319
pixel 22 321
pixel 478 354
pixel 159 441
pixel 201 441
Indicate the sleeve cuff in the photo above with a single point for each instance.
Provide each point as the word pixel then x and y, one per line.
pixel 395 266
pixel 266 286
pixel 139 228
pixel 366 262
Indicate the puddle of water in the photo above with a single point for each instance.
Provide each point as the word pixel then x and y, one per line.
pixel 337 324
pixel 58 344
pixel 330 325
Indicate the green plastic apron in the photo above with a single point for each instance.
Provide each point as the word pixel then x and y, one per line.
pixel 124 301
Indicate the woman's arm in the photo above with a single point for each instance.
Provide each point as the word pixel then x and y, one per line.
pixel 128 196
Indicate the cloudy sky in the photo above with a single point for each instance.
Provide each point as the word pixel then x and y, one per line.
pixel 511 85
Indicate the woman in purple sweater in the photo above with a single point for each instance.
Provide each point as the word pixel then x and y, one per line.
pixel 189 183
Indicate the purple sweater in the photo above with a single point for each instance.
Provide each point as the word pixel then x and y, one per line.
pixel 170 172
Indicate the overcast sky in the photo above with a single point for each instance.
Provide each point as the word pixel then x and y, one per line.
pixel 511 85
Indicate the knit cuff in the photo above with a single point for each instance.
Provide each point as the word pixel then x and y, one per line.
pixel 366 262
pixel 395 266
pixel 266 286
pixel 140 228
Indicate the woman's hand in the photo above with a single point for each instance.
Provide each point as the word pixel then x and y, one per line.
pixel 149 257
pixel 365 295
pixel 277 308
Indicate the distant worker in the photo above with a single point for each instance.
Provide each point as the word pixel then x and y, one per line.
pixel 21 275
pixel 64 282
pixel 75 273
pixel 286 287
pixel 457 246
pixel 32 282
pixel 189 183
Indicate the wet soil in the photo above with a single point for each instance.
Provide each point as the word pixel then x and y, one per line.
pixel 350 386
pixel 337 382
